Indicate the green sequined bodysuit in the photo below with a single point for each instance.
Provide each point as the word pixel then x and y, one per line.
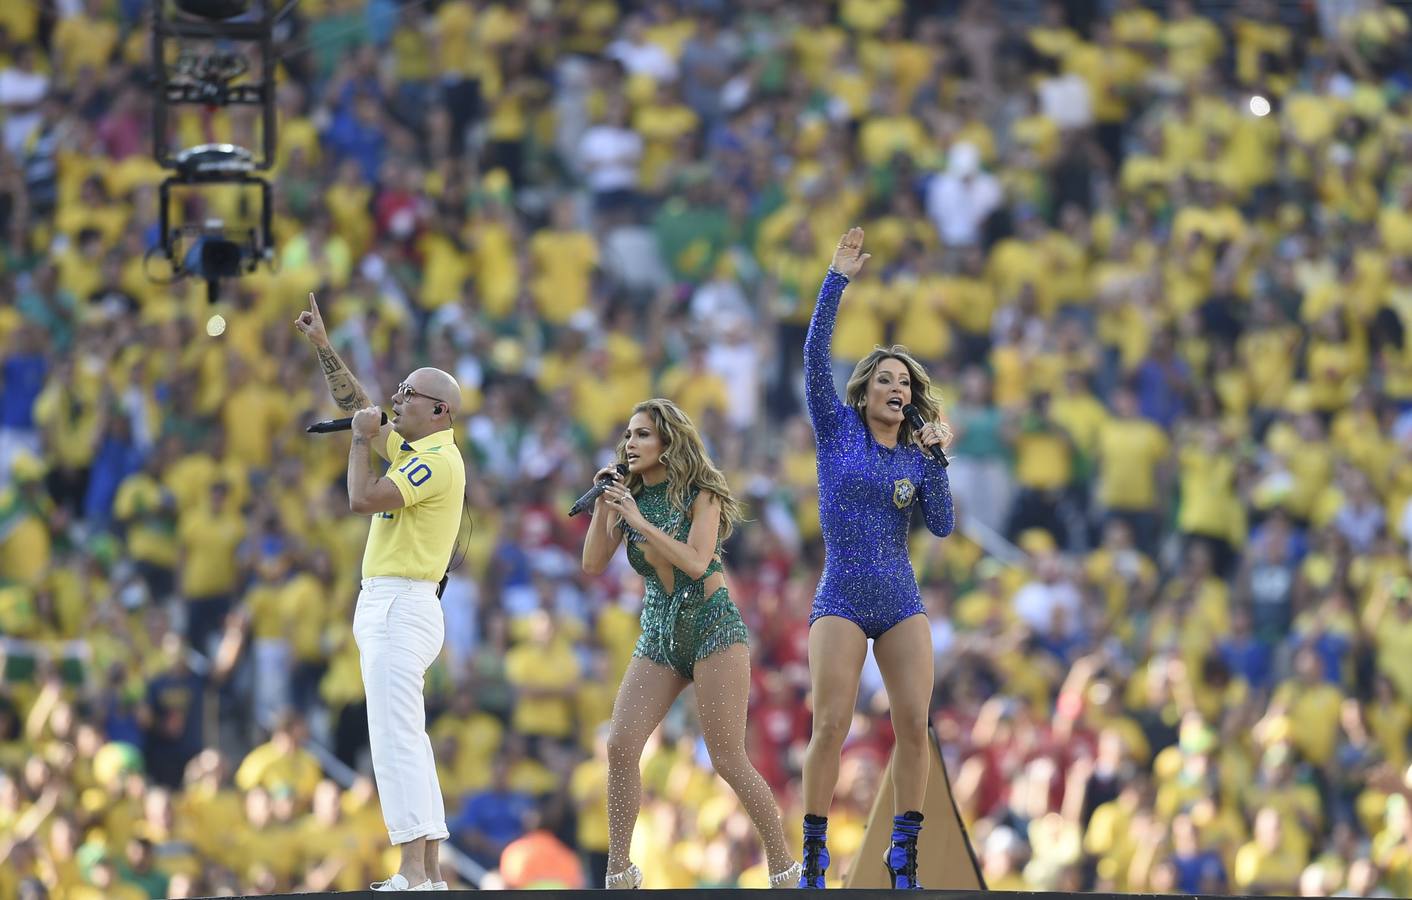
pixel 684 626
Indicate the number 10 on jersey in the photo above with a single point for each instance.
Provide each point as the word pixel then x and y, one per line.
pixel 417 473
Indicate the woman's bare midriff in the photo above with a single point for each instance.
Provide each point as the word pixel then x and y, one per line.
pixel 665 574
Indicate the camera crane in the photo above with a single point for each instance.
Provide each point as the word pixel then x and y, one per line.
pixel 210 70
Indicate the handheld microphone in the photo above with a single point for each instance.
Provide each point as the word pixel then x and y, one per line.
pixel 328 426
pixel 914 418
pixel 586 501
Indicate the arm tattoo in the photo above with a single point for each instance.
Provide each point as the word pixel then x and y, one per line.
pixel 329 359
pixel 347 400
pixel 347 392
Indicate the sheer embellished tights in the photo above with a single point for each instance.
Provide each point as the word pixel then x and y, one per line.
pixel 722 691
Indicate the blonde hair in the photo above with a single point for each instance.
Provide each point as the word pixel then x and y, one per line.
pixel 927 401
pixel 688 465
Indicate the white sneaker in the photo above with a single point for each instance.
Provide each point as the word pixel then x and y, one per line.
pixel 439 886
pixel 398 882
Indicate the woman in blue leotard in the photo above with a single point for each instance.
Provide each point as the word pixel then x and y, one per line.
pixel 872 469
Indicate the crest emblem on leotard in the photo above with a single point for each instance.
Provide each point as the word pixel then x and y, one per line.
pixel 903 492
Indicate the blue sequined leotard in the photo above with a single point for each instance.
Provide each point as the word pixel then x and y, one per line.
pixel 866 492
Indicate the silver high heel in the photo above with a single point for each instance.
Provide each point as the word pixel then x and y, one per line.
pixel 629 879
pixel 788 878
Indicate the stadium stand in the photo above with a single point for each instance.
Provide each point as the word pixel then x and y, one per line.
pixel 1158 257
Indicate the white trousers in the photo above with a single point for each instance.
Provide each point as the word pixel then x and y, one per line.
pixel 399 629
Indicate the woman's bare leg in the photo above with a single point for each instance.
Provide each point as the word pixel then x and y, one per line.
pixel 837 648
pixel 904 655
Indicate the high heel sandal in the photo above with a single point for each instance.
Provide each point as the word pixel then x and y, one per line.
pixel 789 878
pixel 629 879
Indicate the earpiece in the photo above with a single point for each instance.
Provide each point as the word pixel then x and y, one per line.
pixel 438 409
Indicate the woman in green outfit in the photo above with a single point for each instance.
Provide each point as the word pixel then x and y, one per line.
pixel 675 508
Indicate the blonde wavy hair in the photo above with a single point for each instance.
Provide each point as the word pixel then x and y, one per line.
pixel 927 401
pixel 688 465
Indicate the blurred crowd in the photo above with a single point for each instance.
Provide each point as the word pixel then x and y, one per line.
pixel 1156 255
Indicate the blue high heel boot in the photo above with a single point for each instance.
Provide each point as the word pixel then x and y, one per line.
pixel 901 859
pixel 816 852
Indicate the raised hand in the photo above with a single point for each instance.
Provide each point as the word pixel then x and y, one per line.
pixel 849 257
pixel 311 324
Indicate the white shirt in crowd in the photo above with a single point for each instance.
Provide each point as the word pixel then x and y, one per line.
pixel 644 58
pixel 1036 602
pixel 736 359
pixel 609 156
pixel 23 90
pixel 961 198
pixel 1066 100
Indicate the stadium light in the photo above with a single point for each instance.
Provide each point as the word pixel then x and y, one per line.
pixel 214 162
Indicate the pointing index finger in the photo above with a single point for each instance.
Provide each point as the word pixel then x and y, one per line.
pixel 313 304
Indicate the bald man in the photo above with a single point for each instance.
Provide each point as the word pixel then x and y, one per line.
pixel 398 624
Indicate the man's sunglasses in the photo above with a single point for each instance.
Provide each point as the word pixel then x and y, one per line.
pixel 406 390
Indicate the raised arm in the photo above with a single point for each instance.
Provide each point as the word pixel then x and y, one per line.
pixel 347 392
pixel 825 408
